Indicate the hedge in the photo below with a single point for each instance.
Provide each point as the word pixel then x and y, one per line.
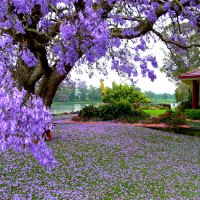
pixel 192 113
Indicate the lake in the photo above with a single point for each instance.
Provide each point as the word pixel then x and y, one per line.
pixel 62 107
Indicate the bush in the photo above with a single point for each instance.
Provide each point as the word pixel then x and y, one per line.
pixel 172 117
pixel 108 111
pixel 185 104
pixel 140 114
pixel 120 110
pixel 120 92
pixel 124 108
pixel 192 113
pixel 89 112
pixel 165 105
pixel 115 110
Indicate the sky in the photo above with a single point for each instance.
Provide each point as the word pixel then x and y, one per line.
pixel 160 85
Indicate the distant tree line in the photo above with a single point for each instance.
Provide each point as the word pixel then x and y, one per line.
pixel 160 98
pixel 83 93
pixel 78 94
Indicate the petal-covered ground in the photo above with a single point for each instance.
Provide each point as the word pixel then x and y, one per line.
pixel 107 161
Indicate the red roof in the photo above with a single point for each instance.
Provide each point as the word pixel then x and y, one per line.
pixel 195 74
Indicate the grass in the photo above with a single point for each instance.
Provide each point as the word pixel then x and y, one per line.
pixel 155 113
pixel 107 161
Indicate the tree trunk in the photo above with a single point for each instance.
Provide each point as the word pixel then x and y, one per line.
pixel 48 86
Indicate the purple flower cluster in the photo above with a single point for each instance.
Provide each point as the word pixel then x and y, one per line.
pixel 23 123
pixel 28 58
pixel 88 32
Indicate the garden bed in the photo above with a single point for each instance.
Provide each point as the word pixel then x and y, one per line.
pixel 193 128
pixel 181 129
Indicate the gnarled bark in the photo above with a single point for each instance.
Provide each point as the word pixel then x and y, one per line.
pixel 49 85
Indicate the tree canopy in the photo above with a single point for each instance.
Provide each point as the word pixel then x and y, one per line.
pixel 41 41
pixel 178 61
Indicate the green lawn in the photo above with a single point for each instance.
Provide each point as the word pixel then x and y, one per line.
pixel 155 113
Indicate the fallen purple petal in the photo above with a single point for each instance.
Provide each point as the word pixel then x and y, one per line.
pixel 107 161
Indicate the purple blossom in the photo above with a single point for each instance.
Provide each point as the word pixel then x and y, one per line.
pixel 68 31
pixel 28 57
pixel 166 6
pixel 152 16
pixel 151 75
pixel 22 126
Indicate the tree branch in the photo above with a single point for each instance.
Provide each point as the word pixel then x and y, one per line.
pixel 146 26
pixel 180 45
pixel 41 36
pixel 139 30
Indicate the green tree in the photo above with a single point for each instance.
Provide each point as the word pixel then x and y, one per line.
pixel 182 92
pixel 62 94
pixel 94 94
pixel 81 90
pixel 160 97
pixel 150 94
pixel 118 93
pixel 83 93
pixel 72 95
pixel 178 61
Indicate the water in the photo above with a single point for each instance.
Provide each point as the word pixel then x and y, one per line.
pixel 62 107
pixel 174 105
pixel 73 107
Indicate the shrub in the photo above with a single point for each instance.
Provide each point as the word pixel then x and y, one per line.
pixel 125 92
pixel 192 113
pixel 108 111
pixel 122 109
pixel 166 117
pixel 165 105
pixel 185 104
pixel 115 110
pixel 173 118
pixel 140 113
pixel 89 112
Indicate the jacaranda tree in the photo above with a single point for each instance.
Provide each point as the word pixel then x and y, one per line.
pixel 41 41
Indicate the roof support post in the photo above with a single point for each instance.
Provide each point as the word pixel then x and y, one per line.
pixel 195 94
